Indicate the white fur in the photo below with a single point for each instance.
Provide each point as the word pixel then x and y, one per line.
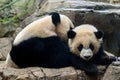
pixel 86 27
pixel 63 27
pixel 85 53
pixel 41 28
pixel 9 62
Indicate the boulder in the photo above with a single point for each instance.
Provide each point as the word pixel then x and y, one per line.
pixel 5 47
pixel 67 73
pixel 6 30
pixel 21 74
pixel 112 72
pixel 38 73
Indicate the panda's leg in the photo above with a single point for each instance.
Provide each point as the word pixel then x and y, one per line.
pixel 105 59
pixel 9 62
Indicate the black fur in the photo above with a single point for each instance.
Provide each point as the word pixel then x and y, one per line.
pixel 71 34
pixel 55 18
pixel 98 34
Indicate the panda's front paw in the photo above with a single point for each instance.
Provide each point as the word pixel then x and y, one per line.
pixel 91 70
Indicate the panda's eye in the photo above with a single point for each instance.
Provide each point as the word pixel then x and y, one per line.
pixel 80 47
pixel 91 47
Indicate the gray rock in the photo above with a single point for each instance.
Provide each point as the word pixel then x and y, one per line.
pixel 38 73
pixel 5 47
pixel 112 73
pixel 60 74
pixel 21 74
pixel 6 30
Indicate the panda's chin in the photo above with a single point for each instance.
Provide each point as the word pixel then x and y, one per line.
pixel 87 59
pixel 86 54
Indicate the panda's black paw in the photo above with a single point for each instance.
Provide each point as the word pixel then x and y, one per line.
pixel 91 70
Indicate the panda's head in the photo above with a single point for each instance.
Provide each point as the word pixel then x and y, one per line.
pixel 85 41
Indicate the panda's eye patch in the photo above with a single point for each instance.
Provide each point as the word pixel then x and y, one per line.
pixel 91 47
pixel 80 47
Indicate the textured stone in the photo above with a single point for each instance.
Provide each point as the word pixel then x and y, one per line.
pixel 112 72
pixel 38 73
pixel 60 74
pixel 21 74
pixel 5 47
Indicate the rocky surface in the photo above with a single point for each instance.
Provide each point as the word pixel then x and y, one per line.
pixel 5 47
pixel 37 73
pixel 113 72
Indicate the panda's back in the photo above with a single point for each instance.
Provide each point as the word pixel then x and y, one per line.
pixel 41 28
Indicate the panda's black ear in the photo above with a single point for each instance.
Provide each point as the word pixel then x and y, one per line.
pixel 55 18
pixel 71 34
pixel 99 34
pixel 71 28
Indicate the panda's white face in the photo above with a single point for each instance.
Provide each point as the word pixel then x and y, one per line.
pixel 84 45
pixel 84 41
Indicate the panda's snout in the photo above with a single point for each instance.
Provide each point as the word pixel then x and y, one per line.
pixel 87 57
pixel 86 54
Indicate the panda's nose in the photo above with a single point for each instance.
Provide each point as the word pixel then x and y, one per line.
pixel 87 57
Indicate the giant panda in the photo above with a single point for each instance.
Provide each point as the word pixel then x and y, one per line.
pixel 51 25
pixel 85 41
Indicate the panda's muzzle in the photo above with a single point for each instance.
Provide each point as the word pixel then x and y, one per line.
pixel 86 54
pixel 87 57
